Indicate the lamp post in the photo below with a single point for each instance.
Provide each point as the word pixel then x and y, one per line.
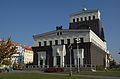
pixel 70 48
pixel 78 64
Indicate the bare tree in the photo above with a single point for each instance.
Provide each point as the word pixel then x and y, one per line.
pixel 7 49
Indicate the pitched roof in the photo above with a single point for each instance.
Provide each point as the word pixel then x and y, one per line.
pixel 27 47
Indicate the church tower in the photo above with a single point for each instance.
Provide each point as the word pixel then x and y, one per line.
pixel 87 19
pixel 83 43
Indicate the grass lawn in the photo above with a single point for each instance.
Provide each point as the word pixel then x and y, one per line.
pixel 102 73
pixel 36 76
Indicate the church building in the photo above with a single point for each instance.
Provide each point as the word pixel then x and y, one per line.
pixel 83 44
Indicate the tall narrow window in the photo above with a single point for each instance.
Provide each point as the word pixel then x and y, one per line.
pixel 93 17
pixel 77 19
pixel 45 43
pixel 60 33
pixel 73 20
pixel 57 33
pixel 81 39
pixel 68 41
pixel 85 18
pixel 50 43
pixel 89 17
pixel 56 42
pixel 81 19
pixel 62 42
pixel 39 43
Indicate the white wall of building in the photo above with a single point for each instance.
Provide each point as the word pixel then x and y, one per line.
pixel 87 35
pixel 65 35
pixel 97 41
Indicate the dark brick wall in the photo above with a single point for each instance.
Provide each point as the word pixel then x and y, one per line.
pixel 97 55
pixel 94 25
pixel 92 54
pixel 49 57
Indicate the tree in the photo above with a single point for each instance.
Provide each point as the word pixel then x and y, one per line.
pixel 112 63
pixel 7 49
pixel 7 62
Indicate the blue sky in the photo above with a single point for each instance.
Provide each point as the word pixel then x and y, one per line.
pixel 21 19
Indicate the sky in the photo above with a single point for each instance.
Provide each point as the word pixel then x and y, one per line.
pixel 21 19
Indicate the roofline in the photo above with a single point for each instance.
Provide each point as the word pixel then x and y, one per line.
pixel 40 35
pixel 82 12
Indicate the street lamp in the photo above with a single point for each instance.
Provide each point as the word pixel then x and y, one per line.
pixel 70 48
pixel 78 64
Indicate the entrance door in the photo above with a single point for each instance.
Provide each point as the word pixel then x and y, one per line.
pixel 41 62
pixel 58 61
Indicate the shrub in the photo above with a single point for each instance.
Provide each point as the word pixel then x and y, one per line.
pixel 115 69
pixel 52 69
pixel 100 67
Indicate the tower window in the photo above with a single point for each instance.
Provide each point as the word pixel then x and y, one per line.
pixel 77 19
pixel 62 41
pixel 45 43
pixel 50 42
pixel 85 18
pixel 73 20
pixel 89 17
pixel 60 33
pixel 81 19
pixel 39 43
pixel 93 17
pixel 56 42
pixel 57 33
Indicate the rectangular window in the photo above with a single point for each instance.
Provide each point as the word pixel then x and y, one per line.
pixel 57 33
pixel 77 19
pixel 81 19
pixel 93 17
pixel 60 33
pixel 85 18
pixel 50 43
pixel 89 17
pixel 73 20
pixel 39 43
pixel 68 41
pixel 56 42
pixel 62 42
pixel 81 39
pixel 45 43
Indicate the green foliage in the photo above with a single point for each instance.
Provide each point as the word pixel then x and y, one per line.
pixel 21 66
pixel 115 69
pixel 7 62
pixel 18 66
pixel 52 69
pixel 112 64
pixel 100 67
pixel 15 66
